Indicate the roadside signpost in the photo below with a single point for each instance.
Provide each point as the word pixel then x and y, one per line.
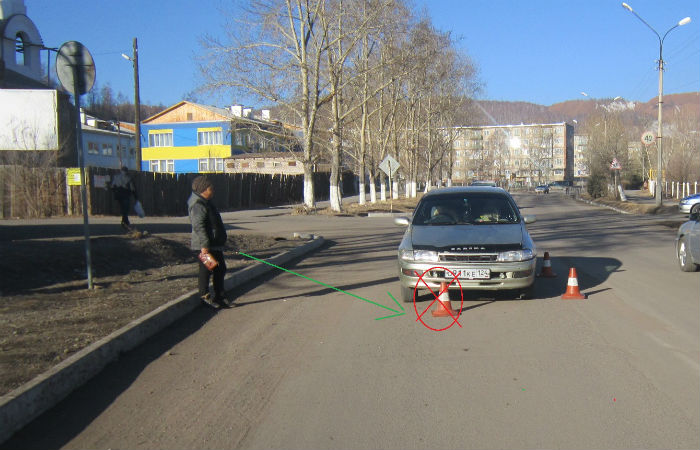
pixel 76 72
pixel 389 166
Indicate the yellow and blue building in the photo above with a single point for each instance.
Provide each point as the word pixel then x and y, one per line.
pixel 194 138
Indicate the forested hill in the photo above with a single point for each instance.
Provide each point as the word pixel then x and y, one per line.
pixel 508 113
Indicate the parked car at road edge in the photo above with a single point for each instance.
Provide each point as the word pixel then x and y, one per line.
pixel 542 189
pixel 688 244
pixel 689 204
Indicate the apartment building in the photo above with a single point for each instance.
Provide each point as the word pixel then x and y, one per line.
pixel 514 154
pixel 580 150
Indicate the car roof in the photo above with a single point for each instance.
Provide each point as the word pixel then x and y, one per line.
pixel 466 190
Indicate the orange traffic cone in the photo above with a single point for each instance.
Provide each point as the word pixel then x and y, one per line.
pixel 572 292
pixel 444 307
pixel 547 267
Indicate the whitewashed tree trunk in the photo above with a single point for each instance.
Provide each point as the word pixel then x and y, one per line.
pixel 382 193
pixel 308 187
pixel 408 189
pixel 335 198
pixel 395 193
pixel 414 187
pixel 362 200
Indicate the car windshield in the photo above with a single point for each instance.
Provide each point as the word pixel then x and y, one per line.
pixel 465 209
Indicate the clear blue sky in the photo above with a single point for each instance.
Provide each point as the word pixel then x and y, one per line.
pixel 540 51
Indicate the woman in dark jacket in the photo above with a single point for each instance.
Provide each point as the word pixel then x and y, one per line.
pixel 208 236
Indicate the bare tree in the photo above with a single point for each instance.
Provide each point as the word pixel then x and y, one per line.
pixel 273 52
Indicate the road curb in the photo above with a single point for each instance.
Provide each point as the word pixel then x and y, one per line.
pixel 27 402
pixel 622 211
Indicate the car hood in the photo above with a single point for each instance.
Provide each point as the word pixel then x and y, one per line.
pixel 691 197
pixel 434 237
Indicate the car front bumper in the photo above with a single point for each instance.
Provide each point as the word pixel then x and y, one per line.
pixel 684 208
pixel 504 276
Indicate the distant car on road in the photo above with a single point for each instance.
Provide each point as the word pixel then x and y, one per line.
pixel 560 185
pixel 688 244
pixel 476 233
pixel 689 204
pixel 543 189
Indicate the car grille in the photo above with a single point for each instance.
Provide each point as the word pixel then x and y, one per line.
pixel 468 257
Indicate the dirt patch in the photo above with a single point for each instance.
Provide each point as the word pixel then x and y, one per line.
pixel 47 313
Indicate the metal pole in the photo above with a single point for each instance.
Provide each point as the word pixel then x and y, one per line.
pixel 137 105
pixel 659 136
pixel 83 178
pixel 119 144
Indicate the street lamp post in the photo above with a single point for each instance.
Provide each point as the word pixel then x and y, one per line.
pixel 137 102
pixel 659 161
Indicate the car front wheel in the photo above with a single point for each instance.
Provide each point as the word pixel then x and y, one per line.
pixel 684 258
pixel 695 209
pixel 406 294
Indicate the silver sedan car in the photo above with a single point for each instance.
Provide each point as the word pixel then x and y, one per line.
pixel 688 244
pixel 689 204
pixel 475 235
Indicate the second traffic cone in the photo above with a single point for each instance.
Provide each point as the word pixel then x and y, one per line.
pixel 547 267
pixel 444 307
pixel 572 292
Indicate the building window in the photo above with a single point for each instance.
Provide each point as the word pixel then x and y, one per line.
pixel 209 137
pixel 163 165
pixel 93 149
pixel 189 117
pixel 245 165
pixel 20 59
pixel 160 139
pixel 292 163
pixel 107 150
pixel 211 165
pixel 260 164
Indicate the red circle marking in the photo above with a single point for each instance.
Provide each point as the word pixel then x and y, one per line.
pixel 415 291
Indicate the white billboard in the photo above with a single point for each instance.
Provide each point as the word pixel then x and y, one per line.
pixel 28 119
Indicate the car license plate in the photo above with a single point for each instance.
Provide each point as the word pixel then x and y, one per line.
pixel 472 274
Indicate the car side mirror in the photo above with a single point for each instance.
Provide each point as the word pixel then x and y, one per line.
pixel 402 221
pixel 529 219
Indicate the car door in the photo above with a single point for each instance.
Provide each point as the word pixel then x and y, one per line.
pixel 694 241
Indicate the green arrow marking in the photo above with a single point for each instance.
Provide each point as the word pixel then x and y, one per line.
pixel 396 312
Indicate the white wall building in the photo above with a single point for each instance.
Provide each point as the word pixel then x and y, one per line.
pixel 29 119
pixel 106 144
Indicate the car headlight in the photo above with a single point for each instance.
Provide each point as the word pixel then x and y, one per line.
pixel 516 255
pixel 418 255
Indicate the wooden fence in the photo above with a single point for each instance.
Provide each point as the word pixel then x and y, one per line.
pixel 29 193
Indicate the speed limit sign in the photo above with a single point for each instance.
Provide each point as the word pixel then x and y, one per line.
pixel 648 138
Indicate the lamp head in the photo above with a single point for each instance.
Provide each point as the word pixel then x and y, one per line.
pixel 684 21
pixel 627 7
pixel 127 57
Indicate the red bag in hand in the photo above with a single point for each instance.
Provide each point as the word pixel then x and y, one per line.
pixel 209 262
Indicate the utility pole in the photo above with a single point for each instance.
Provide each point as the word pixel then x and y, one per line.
pixel 137 105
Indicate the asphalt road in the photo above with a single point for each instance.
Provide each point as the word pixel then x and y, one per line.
pixel 300 365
